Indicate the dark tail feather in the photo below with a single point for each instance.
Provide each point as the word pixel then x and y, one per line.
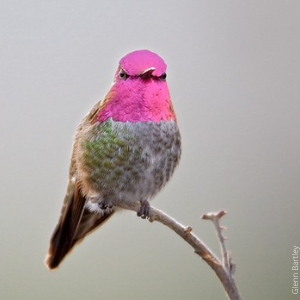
pixel 62 239
pixel 75 223
pixel 60 245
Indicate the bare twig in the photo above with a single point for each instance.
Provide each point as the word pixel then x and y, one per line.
pixel 224 270
pixel 215 218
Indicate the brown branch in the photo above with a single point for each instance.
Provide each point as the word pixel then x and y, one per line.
pixel 224 270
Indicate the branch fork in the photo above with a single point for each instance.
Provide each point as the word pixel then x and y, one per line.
pixel 223 268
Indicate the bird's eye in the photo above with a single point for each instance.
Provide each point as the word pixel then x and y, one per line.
pixel 123 74
pixel 163 76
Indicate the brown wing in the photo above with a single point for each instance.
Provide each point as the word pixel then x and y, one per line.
pixel 74 224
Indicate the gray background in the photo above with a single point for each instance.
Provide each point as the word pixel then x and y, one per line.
pixel 233 72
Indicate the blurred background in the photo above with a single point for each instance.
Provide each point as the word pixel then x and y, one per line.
pixel 233 73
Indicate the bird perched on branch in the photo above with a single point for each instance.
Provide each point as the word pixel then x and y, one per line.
pixel 125 150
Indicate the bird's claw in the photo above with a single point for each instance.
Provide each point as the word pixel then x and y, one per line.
pixel 104 204
pixel 144 213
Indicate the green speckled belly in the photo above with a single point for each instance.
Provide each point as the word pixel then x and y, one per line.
pixel 126 161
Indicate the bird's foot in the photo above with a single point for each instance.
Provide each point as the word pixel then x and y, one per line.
pixel 105 203
pixel 144 213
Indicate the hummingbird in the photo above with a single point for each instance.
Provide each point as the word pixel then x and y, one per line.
pixel 125 150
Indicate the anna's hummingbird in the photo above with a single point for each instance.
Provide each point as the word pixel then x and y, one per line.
pixel 125 150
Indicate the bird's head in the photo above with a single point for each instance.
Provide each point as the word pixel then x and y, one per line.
pixel 140 92
pixel 141 64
